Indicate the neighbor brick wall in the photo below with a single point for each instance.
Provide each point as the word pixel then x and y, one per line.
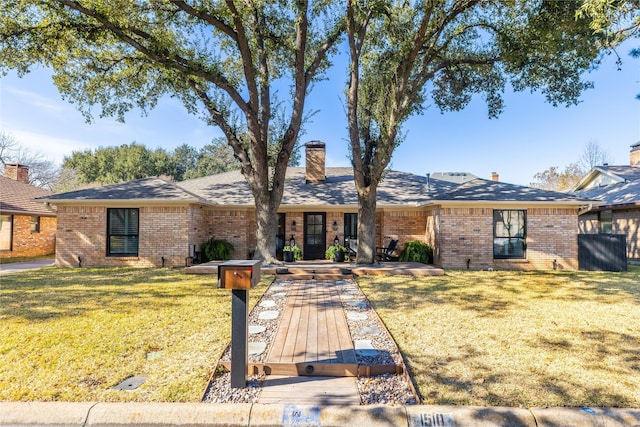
pixel 82 232
pixel 467 234
pixel 28 244
pixel 588 223
pixel 627 221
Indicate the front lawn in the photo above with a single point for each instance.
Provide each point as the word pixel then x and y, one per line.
pixel 72 334
pixel 517 339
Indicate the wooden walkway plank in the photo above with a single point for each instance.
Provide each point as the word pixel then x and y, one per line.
pixel 300 345
pixel 313 327
pixel 310 390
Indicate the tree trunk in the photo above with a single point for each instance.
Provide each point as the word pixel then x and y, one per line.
pixel 266 223
pixel 366 226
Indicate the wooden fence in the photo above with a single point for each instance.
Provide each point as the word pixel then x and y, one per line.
pixel 602 252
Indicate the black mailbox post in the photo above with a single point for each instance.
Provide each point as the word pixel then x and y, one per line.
pixel 239 276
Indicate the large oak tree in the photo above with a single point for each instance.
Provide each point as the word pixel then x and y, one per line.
pixel 222 59
pixel 405 54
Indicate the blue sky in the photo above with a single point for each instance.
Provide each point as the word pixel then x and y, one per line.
pixel 529 136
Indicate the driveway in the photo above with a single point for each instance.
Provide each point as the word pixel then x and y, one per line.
pixel 17 267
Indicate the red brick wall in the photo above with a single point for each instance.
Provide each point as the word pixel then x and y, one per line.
pixel 235 226
pixel 28 244
pixel 467 234
pixel 402 225
pixel 552 234
pixel 82 232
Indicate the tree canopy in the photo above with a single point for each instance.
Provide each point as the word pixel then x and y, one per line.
pixel 220 58
pixel 126 162
pixel 404 55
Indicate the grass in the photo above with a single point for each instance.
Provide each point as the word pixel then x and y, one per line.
pixel 26 259
pixel 72 334
pixel 517 339
pixel 479 338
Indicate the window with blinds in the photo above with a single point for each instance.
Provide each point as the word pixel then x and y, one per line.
pixel 122 231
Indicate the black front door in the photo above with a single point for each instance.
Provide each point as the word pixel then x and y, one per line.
pixel 280 236
pixel 315 236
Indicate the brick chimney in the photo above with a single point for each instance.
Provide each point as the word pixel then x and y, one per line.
pixel 495 176
pixel 315 159
pixel 634 155
pixel 17 172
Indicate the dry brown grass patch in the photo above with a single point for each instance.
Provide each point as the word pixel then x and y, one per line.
pixel 517 339
pixel 72 334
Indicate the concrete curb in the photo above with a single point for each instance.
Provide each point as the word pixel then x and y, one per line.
pixel 264 415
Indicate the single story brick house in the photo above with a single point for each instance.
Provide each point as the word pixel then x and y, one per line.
pixel 470 222
pixel 27 227
pixel 618 190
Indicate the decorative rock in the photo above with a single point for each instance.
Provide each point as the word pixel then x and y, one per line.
pixel 268 303
pixel 256 348
pixel 277 289
pixel 268 315
pixel 368 330
pixel 343 296
pixel 358 304
pixel 352 315
pixel 341 282
pixel 365 348
pixel 256 329
pixel 279 295
pixel 350 289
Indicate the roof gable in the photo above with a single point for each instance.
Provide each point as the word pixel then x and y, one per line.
pixel 622 188
pixel 600 176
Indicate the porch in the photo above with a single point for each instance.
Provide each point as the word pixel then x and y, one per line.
pixel 329 270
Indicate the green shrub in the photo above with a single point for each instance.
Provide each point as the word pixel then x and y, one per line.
pixel 214 249
pixel 417 251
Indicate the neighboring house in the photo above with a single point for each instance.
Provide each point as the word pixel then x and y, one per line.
pixel 470 222
pixel 27 227
pixel 618 190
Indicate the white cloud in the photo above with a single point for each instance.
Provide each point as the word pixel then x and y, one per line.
pixel 52 148
pixel 42 103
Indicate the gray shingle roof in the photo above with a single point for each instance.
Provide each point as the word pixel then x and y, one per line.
pixel 19 198
pixel 395 189
pixel 230 188
pixel 155 189
pixel 495 191
pixel 622 194
pixel 628 173
pixel 618 194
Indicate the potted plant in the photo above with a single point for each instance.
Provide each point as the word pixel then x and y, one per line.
pixel 291 253
pixel 336 253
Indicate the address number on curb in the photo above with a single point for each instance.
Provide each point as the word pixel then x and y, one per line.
pixel 432 420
